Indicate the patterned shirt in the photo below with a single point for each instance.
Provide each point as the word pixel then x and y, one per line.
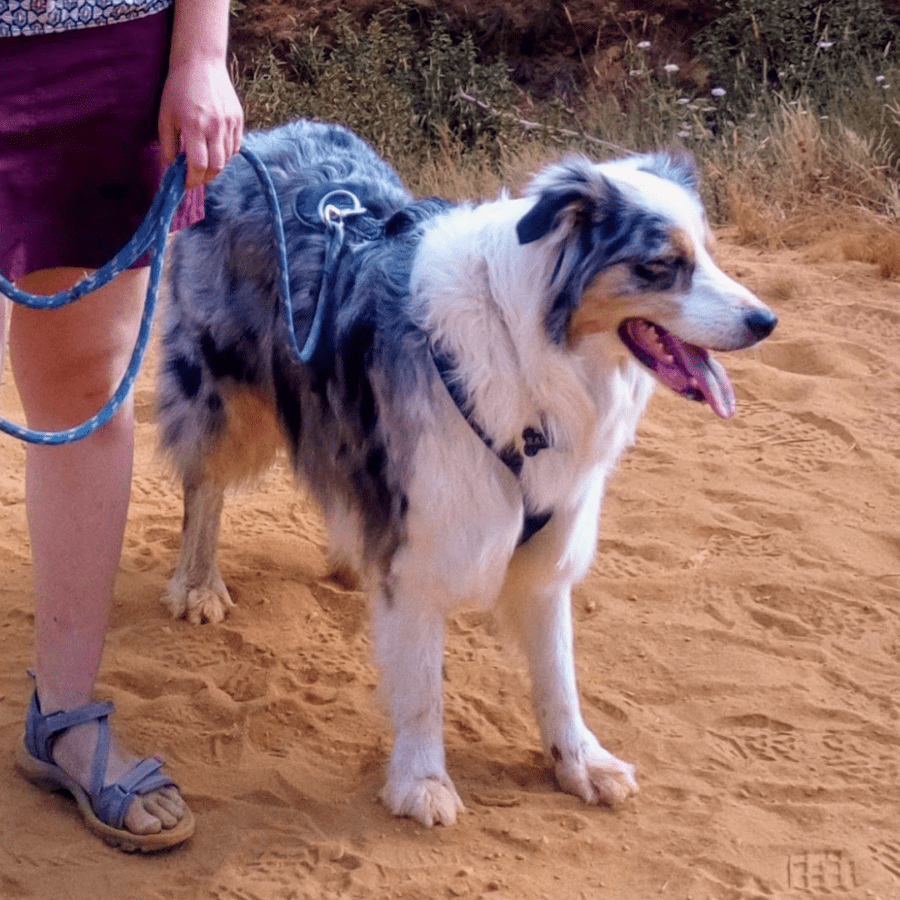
pixel 22 17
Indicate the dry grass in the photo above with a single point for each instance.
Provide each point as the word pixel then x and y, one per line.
pixel 802 179
pixel 783 176
pixel 878 245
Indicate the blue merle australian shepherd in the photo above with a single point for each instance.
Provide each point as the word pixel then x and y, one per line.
pixel 480 371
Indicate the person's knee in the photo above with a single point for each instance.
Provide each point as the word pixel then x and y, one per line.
pixel 68 362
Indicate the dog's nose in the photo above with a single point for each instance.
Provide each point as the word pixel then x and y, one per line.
pixel 761 323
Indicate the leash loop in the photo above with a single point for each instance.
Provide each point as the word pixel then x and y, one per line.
pixel 152 235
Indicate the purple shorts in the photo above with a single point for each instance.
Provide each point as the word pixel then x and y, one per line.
pixel 79 154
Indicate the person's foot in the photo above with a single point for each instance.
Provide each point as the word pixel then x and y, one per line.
pixel 74 751
pixel 129 803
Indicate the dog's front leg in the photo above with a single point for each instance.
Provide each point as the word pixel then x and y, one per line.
pixel 583 767
pixel 196 590
pixel 409 648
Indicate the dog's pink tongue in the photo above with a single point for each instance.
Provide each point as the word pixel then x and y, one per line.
pixel 706 374
pixel 685 368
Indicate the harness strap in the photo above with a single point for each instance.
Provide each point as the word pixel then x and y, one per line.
pixel 534 440
pixel 333 211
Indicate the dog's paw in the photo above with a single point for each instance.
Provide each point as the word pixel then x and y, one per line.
pixel 594 774
pixel 205 605
pixel 200 604
pixel 431 800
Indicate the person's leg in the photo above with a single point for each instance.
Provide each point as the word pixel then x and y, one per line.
pixel 67 363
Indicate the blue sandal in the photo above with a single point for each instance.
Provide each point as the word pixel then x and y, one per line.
pixel 103 808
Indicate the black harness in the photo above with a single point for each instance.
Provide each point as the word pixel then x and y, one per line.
pixel 533 441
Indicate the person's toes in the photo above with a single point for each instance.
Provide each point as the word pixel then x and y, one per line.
pixel 154 812
pixel 173 801
pixel 139 820
pixel 166 805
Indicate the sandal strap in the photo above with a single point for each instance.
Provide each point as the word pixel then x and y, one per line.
pixel 41 730
pixel 111 802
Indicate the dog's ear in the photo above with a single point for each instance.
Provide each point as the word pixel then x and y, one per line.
pixel 542 217
pixel 568 193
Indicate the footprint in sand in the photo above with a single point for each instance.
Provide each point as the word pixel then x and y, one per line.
pixel 888 856
pixel 865 321
pixel 824 872
pixel 756 737
pixel 788 443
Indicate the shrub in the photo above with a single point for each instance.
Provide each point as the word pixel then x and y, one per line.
pixel 399 83
pixel 795 48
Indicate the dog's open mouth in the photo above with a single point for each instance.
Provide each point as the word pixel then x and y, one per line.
pixel 687 369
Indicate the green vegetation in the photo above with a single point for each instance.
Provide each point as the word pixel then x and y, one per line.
pixel 790 106
pixel 398 85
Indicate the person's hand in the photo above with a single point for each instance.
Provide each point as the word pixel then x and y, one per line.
pixel 201 115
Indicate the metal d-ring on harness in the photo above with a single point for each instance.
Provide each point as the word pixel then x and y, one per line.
pixel 332 215
pixel 152 235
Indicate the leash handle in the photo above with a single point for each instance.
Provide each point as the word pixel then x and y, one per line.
pixel 151 235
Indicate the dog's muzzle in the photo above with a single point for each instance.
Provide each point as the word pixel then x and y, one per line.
pixel 687 369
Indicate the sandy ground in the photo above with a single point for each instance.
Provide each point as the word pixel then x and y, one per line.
pixel 738 638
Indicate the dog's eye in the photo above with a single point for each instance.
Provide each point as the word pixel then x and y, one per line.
pixel 659 273
pixel 647 272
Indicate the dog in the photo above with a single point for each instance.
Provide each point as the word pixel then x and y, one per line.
pixel 479 372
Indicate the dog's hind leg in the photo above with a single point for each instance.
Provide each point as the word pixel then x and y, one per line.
pixel 196 590
pixel 543 620
pixel 210 460
pixel 409 646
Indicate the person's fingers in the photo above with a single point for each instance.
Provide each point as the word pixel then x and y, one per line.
pixel 218 152
pixel 233 137
pixel 211 146
pixel 195 149
pixel 168 138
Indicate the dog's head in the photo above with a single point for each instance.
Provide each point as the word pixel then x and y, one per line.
pixel 632 256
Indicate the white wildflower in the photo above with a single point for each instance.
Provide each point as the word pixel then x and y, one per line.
pixel 671 68
pixel 643 45
pixel 825 45
pixel 718 92
pixel 879 78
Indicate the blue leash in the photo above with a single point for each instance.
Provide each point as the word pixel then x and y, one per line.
pixel 152 235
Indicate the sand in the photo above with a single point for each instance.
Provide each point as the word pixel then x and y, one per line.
pixel 738 638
